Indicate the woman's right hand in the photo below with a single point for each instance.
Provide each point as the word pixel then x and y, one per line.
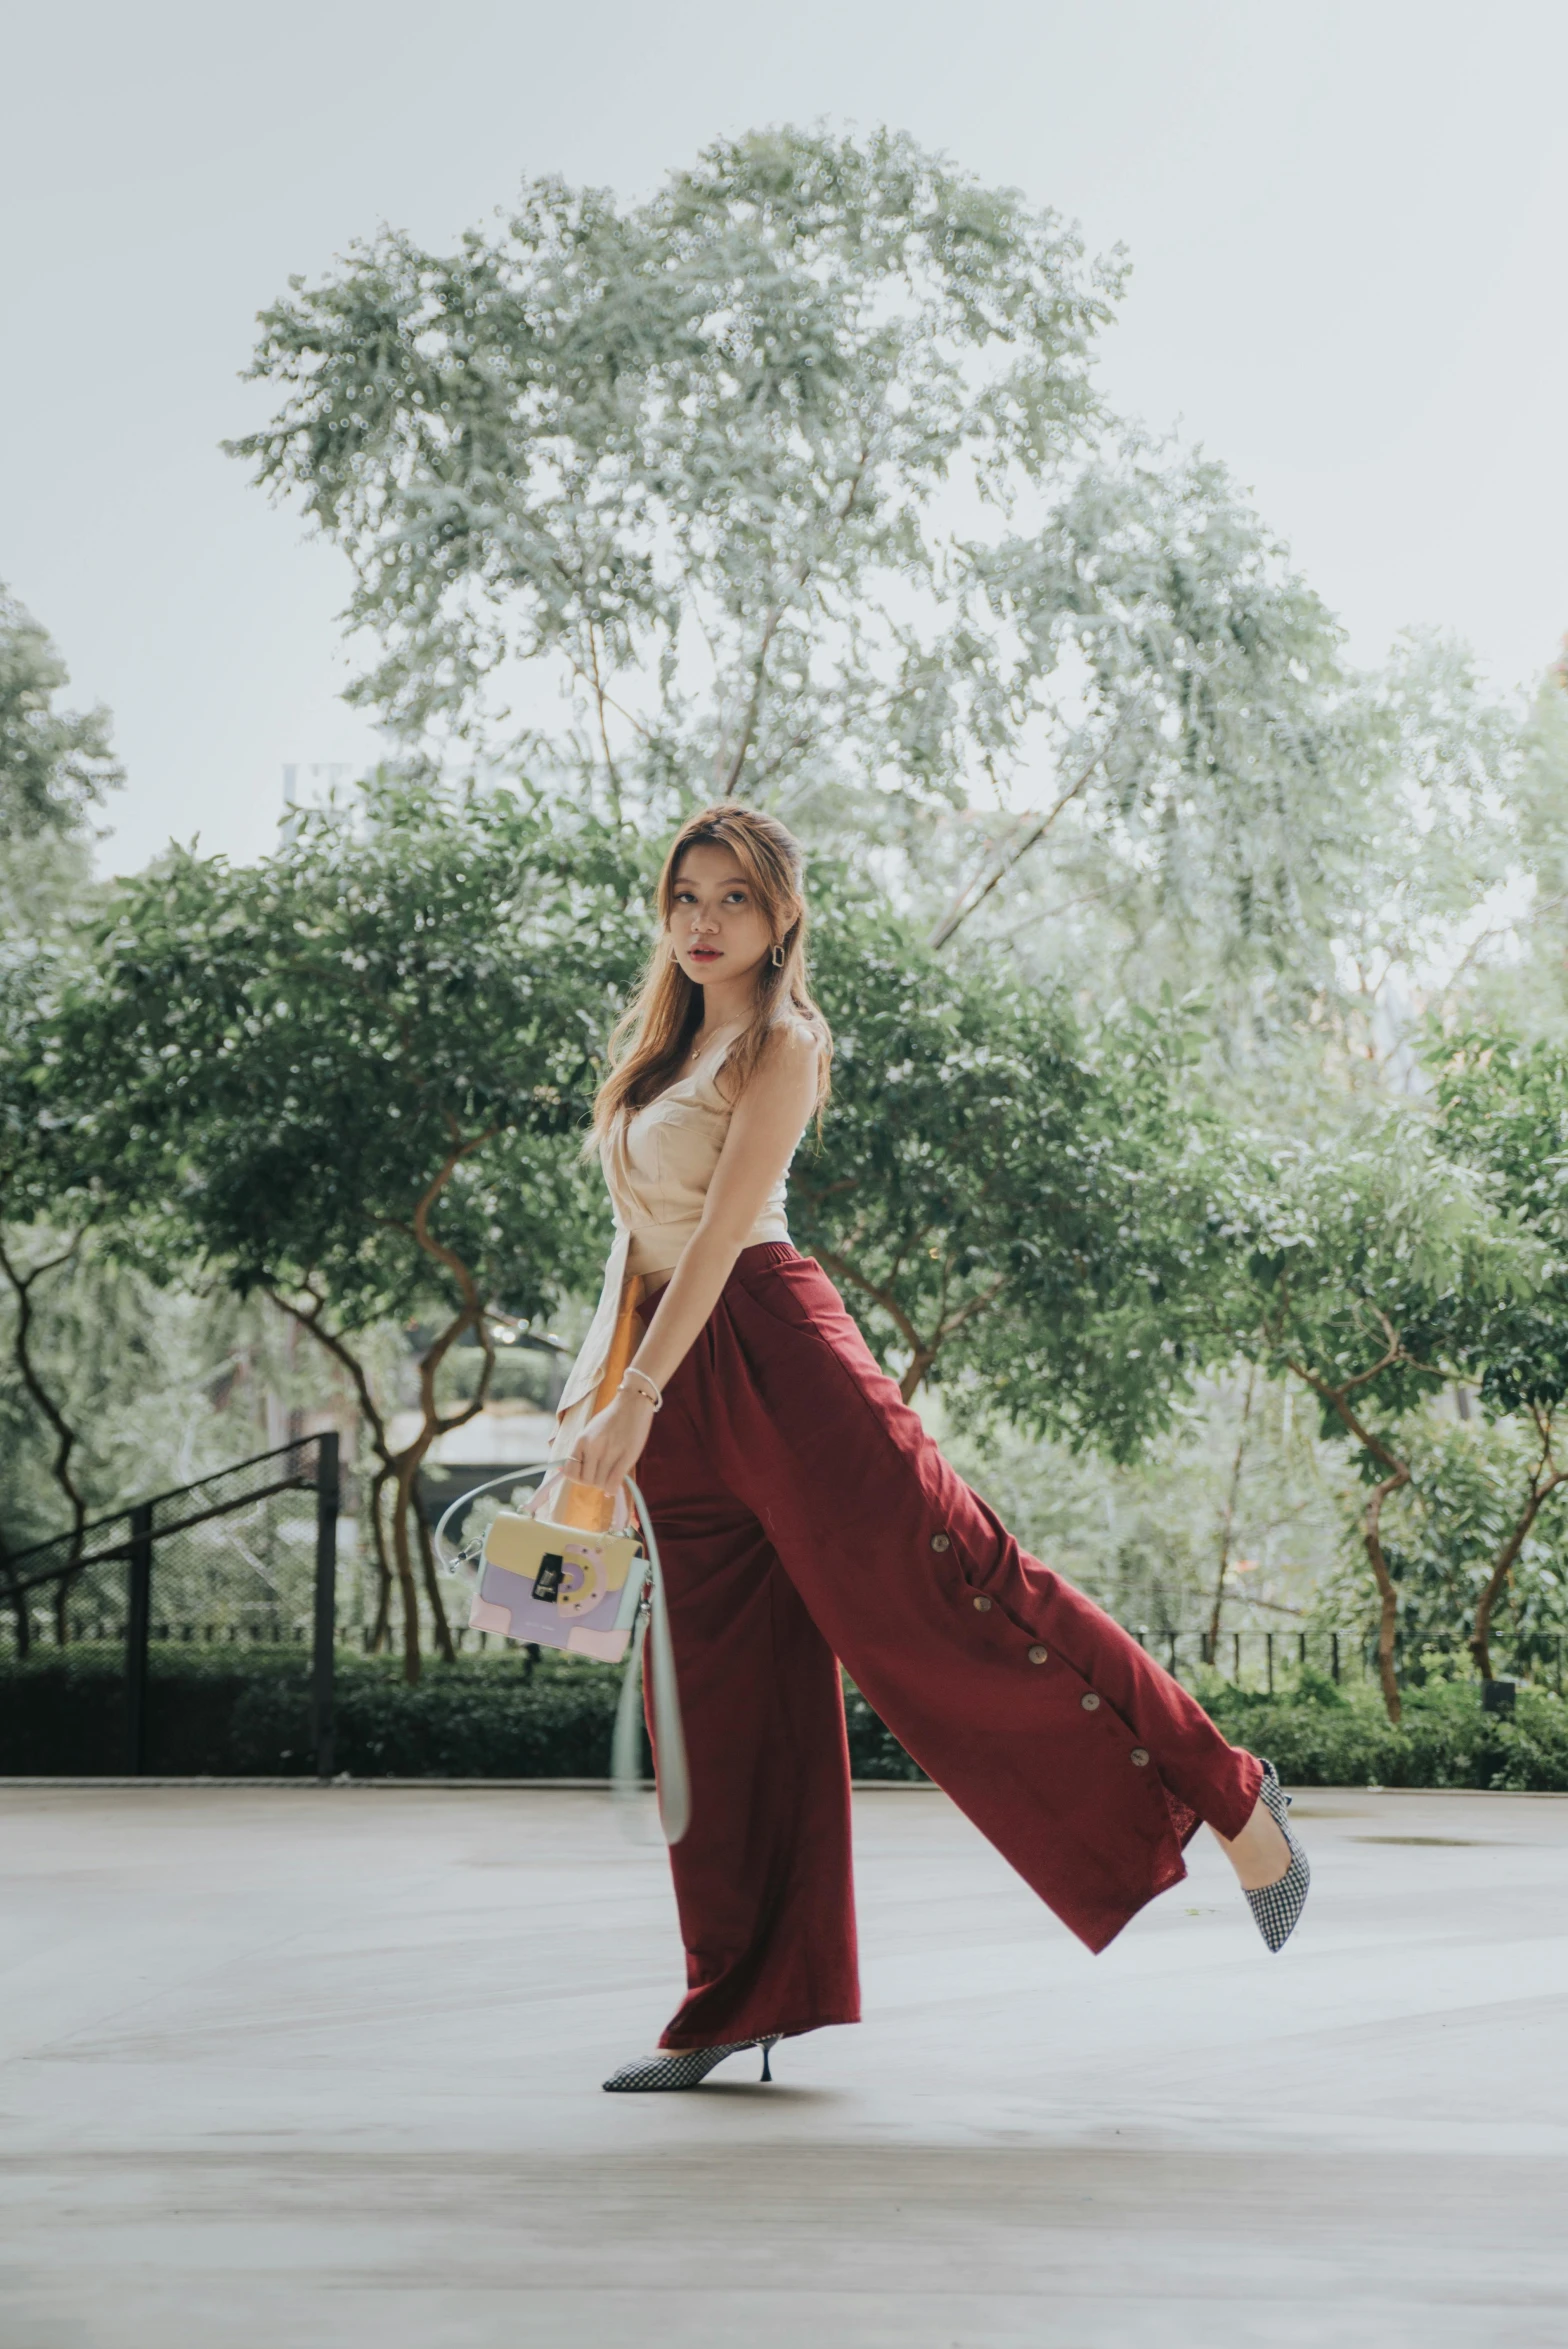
pixel 611 1445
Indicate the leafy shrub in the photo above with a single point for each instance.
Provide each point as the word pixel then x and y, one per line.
pixel 62 1714
pixel 499 1716
pixel 1445 1739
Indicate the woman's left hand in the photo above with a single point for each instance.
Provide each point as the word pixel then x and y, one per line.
pixel 611 1445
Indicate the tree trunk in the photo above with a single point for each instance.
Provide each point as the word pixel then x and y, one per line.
pixel 381 1625
pixel 1372 1444
pixel 407 1470
pixel 1388 1590
pixel 22 1285
pixel 433 1598
pixel 1228 1519
pixel 1502 1567
pixel 298 1318
pixel 19 1607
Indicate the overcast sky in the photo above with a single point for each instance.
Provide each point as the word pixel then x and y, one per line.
pixel 1346 223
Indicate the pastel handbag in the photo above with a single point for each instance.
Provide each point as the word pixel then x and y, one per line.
pixel 590 1592
pixel 560 1585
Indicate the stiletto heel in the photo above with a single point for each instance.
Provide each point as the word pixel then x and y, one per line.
pixel 1276 1908
pixel 687 2067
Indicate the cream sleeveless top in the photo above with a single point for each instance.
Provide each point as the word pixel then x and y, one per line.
pixel 658 1164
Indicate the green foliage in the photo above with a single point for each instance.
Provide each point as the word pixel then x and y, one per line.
pixel 127 1363
pixel 790 481
pixel 1504 1108
pixel 1443 1739
pixel 361 1067
pixel 1144 1536
pixel 1372 1249
pixel 689 453
pixel 1216 743
pixel 493 1717
pixel 1373 1270
pixel 221 1714
pixel 1511 974
pixel 353 1077
pixel 1470 1484
pixel 1018 1215
pixel 54 764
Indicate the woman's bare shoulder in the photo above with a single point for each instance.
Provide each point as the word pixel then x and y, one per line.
pixel 790 1051
pixel 786 1065
pixel 793 1038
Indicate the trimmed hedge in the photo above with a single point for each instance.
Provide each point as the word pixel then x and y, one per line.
pixel 227 1715
pixel 1319 1737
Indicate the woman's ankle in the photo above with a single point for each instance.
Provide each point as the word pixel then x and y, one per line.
pixel 1259 1854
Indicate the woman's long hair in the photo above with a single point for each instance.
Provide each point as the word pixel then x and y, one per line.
pixel 653 1038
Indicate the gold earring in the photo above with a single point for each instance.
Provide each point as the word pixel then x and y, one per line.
pixel 777 958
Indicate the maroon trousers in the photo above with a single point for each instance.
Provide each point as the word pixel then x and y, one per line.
pixel 806 1519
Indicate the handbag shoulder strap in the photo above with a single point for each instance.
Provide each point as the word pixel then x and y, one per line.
pixel 674 1775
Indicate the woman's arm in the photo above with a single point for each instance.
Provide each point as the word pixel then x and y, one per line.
pixel 767 1124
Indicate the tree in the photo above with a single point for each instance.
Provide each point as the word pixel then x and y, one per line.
pixel 1371 1268
pixel 1211 753
pixel 54 764
pixel 691 457
pixel 1504 1110
pixel 1521 989
pixel 1473 1504
pixel 1016 1212
pixel 354 1077
pixel 791 481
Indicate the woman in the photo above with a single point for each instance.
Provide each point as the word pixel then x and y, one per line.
pixel 806 1520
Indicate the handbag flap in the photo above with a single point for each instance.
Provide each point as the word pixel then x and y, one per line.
pixel 521 1545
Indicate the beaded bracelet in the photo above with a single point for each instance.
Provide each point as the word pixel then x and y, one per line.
pixel 653 1396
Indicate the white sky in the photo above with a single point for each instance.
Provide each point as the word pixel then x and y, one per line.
pixel 1347 224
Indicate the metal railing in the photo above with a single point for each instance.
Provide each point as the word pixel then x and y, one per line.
pixel 1258 1657
pixel 1270 1660
pixel 217 1562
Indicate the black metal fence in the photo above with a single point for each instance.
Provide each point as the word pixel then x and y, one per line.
pixel 1273 1661
pixel 246 1558
pixel 1264 1660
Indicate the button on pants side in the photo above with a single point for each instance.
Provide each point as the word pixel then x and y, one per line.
pixel 805 1519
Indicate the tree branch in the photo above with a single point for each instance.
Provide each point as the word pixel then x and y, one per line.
pixel 65 1436
pixel 1372 1520
pixel 882 1297
pixel 799 574
pixel 964 904
pixel 1228 1515
pixel 339 1351
pixel 1502 1565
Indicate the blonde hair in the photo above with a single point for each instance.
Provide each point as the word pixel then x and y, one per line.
pixel 653 1037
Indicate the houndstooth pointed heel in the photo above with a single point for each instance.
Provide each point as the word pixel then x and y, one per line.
pixel 1276 1908
pixel 687 2067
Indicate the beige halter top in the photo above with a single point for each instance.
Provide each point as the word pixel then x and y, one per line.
pixel 658 1163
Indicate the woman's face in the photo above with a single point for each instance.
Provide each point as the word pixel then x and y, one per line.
pixel 716 928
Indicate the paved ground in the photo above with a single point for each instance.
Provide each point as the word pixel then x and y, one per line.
pixel 296 2069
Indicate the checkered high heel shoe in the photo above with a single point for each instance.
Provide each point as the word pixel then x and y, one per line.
pixel 687 2067
pixel 1276 1908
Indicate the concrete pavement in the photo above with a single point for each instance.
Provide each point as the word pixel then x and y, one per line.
pixel 318 2069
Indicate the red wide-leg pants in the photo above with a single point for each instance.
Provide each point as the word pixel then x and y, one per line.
pixel 806 1519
